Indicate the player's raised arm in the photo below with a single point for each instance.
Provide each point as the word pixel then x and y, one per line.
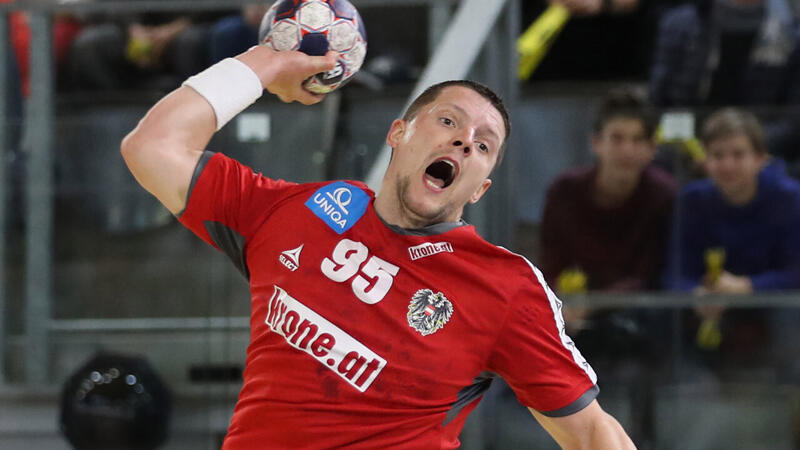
pixel 164 148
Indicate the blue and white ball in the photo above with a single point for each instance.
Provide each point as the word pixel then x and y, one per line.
pixel 314 27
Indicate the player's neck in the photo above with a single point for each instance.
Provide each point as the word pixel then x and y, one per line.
pixel 392 212
pixel 391 208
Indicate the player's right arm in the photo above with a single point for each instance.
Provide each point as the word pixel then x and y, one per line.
pixel 589 428
pixel 164 148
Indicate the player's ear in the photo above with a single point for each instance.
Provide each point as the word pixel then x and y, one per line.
pixel 480 191
pixel 396 132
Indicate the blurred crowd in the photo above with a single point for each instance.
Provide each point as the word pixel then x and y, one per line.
pixel 723 221
pixel 726 222
pixel 624 225
pixel 104 51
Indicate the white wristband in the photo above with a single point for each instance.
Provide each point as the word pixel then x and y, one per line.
pixel 229 86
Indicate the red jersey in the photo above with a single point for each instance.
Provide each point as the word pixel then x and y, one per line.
pixel 367 335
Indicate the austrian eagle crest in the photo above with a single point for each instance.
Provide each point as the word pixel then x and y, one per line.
pixel 428 312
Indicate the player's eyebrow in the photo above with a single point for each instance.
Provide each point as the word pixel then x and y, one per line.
pixel 483 130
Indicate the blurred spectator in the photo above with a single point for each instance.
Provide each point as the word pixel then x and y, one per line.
pixel 609 220
pixel 749 207
pixel 603 40
pixel 235 34
pixel 155 51
pixel 13 157
pixel 604 228
pixel 65 28
pixel 727 52
pixel 13 96
pixel 737 232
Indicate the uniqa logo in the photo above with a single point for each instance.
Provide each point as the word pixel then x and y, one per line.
pixel 339 205
pixel 342 197
pixel 331 211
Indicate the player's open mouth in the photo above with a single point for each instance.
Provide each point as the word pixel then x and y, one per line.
pixel 441 173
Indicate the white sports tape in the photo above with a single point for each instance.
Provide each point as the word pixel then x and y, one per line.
pixel 229 86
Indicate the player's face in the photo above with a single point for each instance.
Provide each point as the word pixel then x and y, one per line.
pixel 733 164
pixel 442 158
pixel 622 146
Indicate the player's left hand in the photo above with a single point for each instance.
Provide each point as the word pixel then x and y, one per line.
pixel 283 73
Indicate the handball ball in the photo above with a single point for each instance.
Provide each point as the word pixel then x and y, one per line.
pixel 314 27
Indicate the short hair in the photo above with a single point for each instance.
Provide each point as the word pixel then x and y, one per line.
pixel 625 103
pixel 728 122
pixel 431 93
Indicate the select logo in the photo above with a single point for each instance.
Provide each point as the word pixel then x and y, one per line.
pixel 291 258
